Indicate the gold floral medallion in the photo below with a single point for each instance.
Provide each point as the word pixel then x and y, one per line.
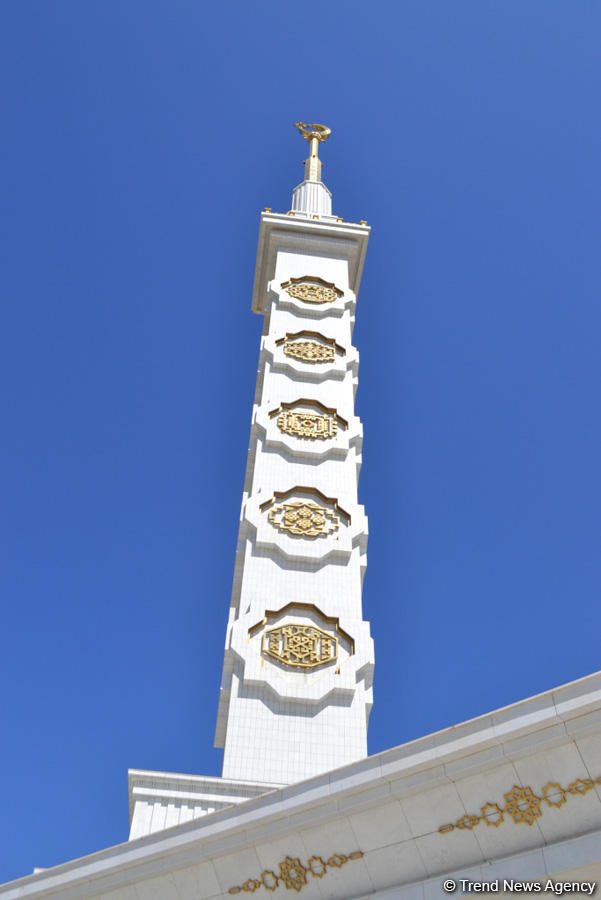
pixel 523 805
pixel 292 873
pixel 311 289
pixel 303 518
pixel 310 351
pixel 312 293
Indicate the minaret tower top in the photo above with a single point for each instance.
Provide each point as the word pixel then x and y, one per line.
pixel 312 196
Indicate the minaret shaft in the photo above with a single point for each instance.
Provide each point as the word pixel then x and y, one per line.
pixel 296 686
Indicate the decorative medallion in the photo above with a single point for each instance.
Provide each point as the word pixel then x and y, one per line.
pixel 310 351
pixel 296 512
pixel 292 873
pixel 306 637
pixel 307 425
pixel 312 293
pixel 296 644
pixel 523 805
pixel 303 517
pixel 322 349
pixel 311 289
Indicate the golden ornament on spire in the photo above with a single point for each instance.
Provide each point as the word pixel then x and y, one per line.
pixel 315 134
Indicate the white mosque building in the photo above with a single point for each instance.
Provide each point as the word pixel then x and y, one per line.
pixel 509 802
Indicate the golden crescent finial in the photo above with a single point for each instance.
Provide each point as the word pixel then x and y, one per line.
pixel 313 132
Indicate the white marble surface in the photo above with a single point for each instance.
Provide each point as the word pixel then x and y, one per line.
pixel 159 800
pixel 389 807
pixel 312 198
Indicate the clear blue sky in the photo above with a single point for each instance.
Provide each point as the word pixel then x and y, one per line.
pixel 141 140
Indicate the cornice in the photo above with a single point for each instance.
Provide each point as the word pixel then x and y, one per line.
pixel 332 238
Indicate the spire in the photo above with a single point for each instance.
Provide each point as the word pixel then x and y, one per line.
pixel 314 134
pixel 311 196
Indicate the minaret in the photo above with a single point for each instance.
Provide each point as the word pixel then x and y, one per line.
pixel 296 689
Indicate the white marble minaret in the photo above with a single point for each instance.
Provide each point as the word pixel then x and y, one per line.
pixel 296 689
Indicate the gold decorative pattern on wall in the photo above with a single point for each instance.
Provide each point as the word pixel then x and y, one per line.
pixel 307 425
pixel 300 645
pixel 315 422
pixel 310 292
pixel 303 517
pixel 321 350
pixel 311 289
pixel 293 874
pixel 523 805
pixel 296 512
pixel 296 608
pixel 310 351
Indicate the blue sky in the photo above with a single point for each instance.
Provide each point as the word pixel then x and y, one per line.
pixel 141 141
